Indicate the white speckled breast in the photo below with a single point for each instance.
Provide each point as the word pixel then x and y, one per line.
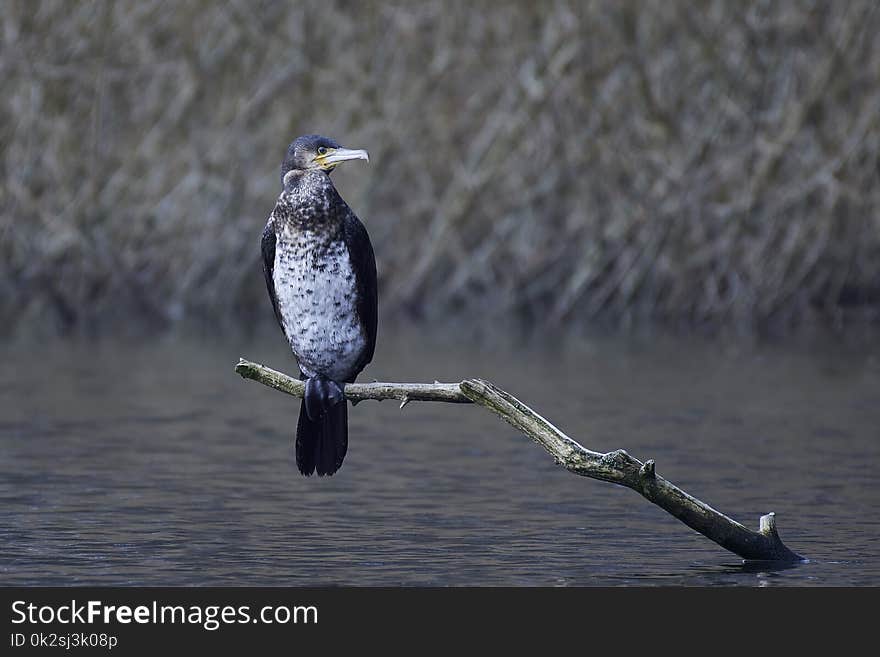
pixel 315 288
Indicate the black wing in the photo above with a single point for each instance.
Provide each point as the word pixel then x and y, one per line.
pixel 364 262
pixel 268 248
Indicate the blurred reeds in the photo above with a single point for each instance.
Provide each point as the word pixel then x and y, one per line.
pixel 702 164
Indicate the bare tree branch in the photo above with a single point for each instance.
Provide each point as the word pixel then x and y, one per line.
pixel 616 467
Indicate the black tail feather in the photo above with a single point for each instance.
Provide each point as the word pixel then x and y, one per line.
pixel 321 444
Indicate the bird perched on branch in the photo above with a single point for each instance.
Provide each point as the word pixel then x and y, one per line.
pixel 321 275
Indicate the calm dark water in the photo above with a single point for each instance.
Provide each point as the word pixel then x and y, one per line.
pixel 155 464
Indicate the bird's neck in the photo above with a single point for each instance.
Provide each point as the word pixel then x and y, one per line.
pixel 310 202
pixel 306 180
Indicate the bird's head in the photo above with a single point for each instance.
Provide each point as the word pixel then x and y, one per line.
pixel 316 153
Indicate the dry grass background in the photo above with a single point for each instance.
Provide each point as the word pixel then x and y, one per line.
pixel 710 164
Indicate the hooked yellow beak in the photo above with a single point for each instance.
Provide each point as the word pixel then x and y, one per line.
pixel 334 156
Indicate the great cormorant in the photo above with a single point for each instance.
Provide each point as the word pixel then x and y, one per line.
pixel 321 275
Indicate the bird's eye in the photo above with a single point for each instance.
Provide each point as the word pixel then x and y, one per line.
pixel 322 150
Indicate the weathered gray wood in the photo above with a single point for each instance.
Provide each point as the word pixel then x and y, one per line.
pixel 616 467
pixel 356 392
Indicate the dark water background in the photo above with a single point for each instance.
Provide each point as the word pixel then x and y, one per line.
pixel 132 463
